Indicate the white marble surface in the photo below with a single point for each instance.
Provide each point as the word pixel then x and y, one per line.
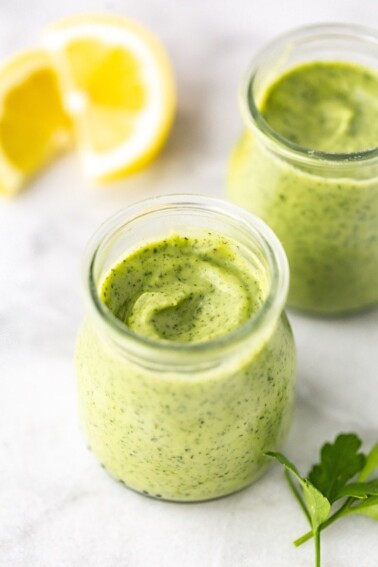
pixel 58 508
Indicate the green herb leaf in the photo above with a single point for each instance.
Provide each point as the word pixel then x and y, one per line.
pixel 360 489
pixel 368 507
pixel 327 482
pixel 284 461
pixel 318 506
pixel 339 463
pixel 370 465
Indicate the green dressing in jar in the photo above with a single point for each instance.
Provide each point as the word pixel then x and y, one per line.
pixel 186 361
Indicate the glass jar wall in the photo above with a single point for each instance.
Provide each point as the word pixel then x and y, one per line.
pixel 186 421
pixel 323 206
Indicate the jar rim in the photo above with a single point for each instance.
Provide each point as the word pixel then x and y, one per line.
pixel 262 320
pixel 254 118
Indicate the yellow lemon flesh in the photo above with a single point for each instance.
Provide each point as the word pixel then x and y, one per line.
pixel 33 124
pixel 118 87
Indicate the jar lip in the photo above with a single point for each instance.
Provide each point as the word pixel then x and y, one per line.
pixel 267 315
pixel 254 118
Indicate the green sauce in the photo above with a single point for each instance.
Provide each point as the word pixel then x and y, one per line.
pixel 183 289
pixel 325 216
pixel 176 435
pixel 325 106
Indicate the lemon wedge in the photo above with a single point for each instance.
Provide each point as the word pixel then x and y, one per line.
pixel 33 124
pixel 118 88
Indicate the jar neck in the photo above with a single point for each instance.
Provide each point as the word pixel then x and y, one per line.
pixel 153 219
pixel 324 42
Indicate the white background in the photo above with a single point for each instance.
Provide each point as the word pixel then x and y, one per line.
pixel 58 508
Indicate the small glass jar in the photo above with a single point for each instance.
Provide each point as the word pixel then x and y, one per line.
pixel 322 206
pixel 185 421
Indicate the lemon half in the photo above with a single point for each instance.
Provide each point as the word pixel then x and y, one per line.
pixel 33 124
pixel 118 87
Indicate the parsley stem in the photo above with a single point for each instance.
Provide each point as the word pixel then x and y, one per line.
pixel 297 495
pixel 317 547
pixel 304 538
pixel 340 512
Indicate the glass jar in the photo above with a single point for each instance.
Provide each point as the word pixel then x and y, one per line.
pixel 322 206
pixel 185 421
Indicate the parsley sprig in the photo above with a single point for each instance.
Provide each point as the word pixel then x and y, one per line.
pixel 339 485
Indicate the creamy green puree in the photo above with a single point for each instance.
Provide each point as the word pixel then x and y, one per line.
pixel 325 106
pixel 171 434
pixel 325 215
pixel 183 289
